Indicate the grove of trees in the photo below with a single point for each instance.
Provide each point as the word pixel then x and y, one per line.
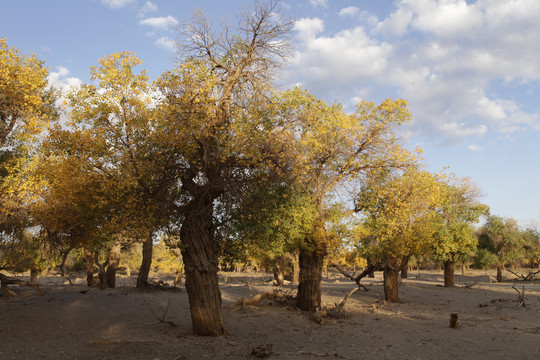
pixel 212 166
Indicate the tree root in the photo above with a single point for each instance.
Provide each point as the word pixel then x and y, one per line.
pixel 5 281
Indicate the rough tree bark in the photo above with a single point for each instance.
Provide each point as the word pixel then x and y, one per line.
pixel 201 267
pixel 112 265
pixel 499 273
pixel 449 268
pixel 33 276
pixel 144 270
pixel 102 269
pixel 89 259
pixel 279 277
pixel 296 268
pixel 405 266
pixel 391 284
pixel 309 285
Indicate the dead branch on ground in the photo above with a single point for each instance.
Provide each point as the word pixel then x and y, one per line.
pixel 337 311
pixel 5 281
pixel 368 270
pixel 276 297
pixel 160 319
pixel 521 296
pixel 529 277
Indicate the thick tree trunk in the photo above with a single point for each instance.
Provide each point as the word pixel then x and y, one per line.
pixel 144 270
pixel 279 277
pixel 499 273
pixel 201 267
pixel 89 258
pixel 33 276
pixel 296 268
pixel 102 270
pixel 62 265
pixel 112 265
pixel 449 267
pixel 309 285
pixel 391 284
pixel 405 267
pixel 371 274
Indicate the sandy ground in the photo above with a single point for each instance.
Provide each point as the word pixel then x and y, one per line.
pixel 123 323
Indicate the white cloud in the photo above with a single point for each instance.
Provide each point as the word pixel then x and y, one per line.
pixel 166 43
pixel 348 56
pixel 474 147
pixel 148 7
pixel 462 130
pixel 116 4
pixel 349 11
pixel 460 64
pixel 161 23
pixel 317 3
pixel 62 81
pixel 396 24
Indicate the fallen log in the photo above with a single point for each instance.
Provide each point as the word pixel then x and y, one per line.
pixel 5 281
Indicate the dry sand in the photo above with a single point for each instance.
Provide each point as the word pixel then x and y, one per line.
pixel 119 323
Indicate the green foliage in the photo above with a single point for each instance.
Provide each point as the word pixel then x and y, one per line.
pixel 459 210
pixel 503 239
pixel 275 218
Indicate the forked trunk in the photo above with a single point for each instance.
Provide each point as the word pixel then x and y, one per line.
pixel 309 285
pixel 112 265
pixel 449 267
pixel 391 284
pixel 499 274
pixel 89 258
pixel 144 270
pixel 201 267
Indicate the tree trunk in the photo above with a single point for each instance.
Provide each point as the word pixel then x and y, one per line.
pixel 144 270
pixel 449 267
pixel 391 284
pixel 33 276
pixel 62 265
pixel 89 266
pixel 296 268
pixel 405 267
pixel 371 274
pixel 112 265
pixel 499 274
pixel 278 272
pixel 201 267
pixel 101 274
pixel 309 285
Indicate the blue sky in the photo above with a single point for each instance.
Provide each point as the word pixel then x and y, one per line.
pixel 469 69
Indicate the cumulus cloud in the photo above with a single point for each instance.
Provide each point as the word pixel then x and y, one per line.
pixel 116 4
pixel 61 80
pixel 457 62
pixel 349 55
pixel 349 11
pixel 166 43
pixel 148 7
pixel 160 23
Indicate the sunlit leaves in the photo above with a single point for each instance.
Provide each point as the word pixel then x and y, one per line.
pixel 26 103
